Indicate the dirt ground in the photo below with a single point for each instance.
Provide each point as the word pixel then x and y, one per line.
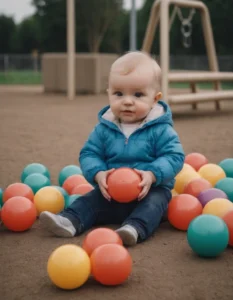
pixel 49 129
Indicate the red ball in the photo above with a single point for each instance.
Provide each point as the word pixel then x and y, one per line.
pixel 99 237
pixel 111 264
pixel 196 160
pixel 18 189
pixel 123 185
pixel 18 213
pixel 72 181
pixel 196 186
pixel 81 189
pixel 182 209
pixel 228 219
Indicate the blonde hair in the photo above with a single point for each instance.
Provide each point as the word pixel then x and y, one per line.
pixel 131 61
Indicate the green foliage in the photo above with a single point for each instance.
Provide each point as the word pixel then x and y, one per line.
pixel 103 26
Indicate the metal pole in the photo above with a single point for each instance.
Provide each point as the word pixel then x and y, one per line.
pixel 133 27
pixel 70 49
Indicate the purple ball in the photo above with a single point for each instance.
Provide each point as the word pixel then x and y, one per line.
pixel 210 194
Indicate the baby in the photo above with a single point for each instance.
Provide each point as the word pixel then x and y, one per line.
pixel 135 130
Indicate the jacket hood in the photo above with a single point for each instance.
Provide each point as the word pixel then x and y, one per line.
pixel 159 114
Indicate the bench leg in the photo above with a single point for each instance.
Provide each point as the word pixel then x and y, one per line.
pixel 217 105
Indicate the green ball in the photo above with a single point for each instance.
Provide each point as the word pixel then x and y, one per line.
pixel 208 235
pixel 64 193
pixel 71 199
pixel 68 171
pixel 36 181
pixel 226 185
pixel 227 166
pixel 1 195
pixel 34 168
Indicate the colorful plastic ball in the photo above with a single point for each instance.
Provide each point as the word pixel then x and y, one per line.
pixel 34 168
pixel 183 178
pixel 196 186
pixel 18 189
pixel 72 181
pixel 182 209
pixel 196 160
pixel 174 193
pixel 49 199
pixel 212 173
pixel 111 264
pixel 205 196
pixel 187 167
pixel 226 185
pixel 82 189
pixel 67 171
pixel 227 166
pixel 218 207
pixel 99 237
pixel 18 213
pixel 63 192
pixel 69 267
pixel 208 235
pixel 71 199
pixel 37 181
pixel 1 197
pixel 123 185
pixel 228 219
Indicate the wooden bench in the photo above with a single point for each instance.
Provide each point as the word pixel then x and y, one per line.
pixel 200 97
pixel 192 76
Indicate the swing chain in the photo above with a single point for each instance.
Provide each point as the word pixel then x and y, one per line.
pixel 186 26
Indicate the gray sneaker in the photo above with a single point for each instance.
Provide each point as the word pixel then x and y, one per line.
pixel 128 234
pixel 57 224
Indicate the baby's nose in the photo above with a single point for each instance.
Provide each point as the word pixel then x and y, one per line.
pixel 128 100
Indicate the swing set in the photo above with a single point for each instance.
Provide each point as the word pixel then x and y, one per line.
pixel 160 12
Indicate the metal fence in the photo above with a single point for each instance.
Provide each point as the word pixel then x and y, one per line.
pixel 19 62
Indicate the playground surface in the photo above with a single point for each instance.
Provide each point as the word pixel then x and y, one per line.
pixel 49 129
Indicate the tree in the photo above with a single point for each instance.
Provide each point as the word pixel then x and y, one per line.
pixel 7 31
pixel 28 35
pixel 95 17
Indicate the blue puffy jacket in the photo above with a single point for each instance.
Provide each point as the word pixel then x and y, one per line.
pixel 155 147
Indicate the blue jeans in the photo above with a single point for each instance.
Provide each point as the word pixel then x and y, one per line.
pixel 93 209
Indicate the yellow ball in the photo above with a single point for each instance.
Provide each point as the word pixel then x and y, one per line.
pixel 174 193
pixel 218 207
pixel 69 267
pixel 212 173
pixel 183 178
pixel 50 199
pixel 187 167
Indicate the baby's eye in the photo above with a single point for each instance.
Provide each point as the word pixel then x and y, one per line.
pixel 118 94
pixel 138 94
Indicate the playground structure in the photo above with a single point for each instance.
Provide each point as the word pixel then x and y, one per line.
pixel 160 12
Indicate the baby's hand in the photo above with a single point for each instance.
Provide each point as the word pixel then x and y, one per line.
pixel 101 179
pixel 147 179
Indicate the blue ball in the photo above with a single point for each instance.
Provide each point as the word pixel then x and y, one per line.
pixel 71 199
pixel 64 193
pixel 208 235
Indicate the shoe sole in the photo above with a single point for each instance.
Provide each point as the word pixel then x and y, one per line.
pixel 50 224
pixel 127 239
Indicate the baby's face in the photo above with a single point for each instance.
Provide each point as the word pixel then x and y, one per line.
pixel 131 96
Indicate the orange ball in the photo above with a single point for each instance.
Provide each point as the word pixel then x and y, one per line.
pixel 18 189
pixel 182 209
pixel 99 237
pixel 82 189
pixel 123 185
pixel 111 264
pixel 228 219
pixel 72 181
pixel 196 160
pixel 196 186
pixel 18 213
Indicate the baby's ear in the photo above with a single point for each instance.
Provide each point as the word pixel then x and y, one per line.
pixel 158 96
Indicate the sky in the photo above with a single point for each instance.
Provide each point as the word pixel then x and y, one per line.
pixel 19 9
